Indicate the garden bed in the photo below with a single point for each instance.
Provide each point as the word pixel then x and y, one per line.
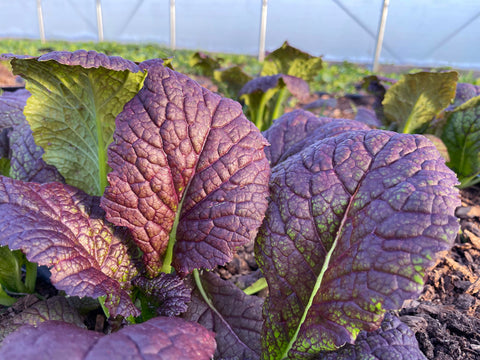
pixel 446 317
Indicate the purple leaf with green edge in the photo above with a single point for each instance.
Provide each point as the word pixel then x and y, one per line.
pixel 158 338
pixel 167 292
pixel 393 340
pixel 234 316
pixel 75 99
pixel 352 225
pixel 461 135
pixel 63 228
pixel 298 129
pixel 292 61
pixel 188 168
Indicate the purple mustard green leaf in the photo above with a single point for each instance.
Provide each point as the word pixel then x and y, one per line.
pixel 63 228
pixel 463 93
pixel 188 167
pixel 415 100
pixel 353 223
pixel 299 129
pixel 461 135
pixel 292 61
pixel 234 316
pixel 54 308
pixel 158 338
pixel 25 157
pixel 26 162
pixel 393 340
pixel 75 99
pixel 256 87
pixel 168 293
pixel 11 108
pixel 288 130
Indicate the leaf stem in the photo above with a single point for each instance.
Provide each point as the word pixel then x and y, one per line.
pixel 257 286
pixel 198 283
pixel 277 111
pixel 260 121
pixel 167 260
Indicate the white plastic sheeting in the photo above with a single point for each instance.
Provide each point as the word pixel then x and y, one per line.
pixel 422 33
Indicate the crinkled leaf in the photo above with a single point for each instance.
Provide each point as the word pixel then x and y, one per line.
pixel 231 80
pixel 24 156
pixel 416 99
pixel 75 99
pixel 392 340
pixel 298 129
pixel 353 223
pixel 11 108
pixel 291 61
pixel 288 130
pixel 63 228
pixel 235 317
pixel 167 293
pixel 184 155
pixel 461 135
pixel 204 63
pixel 54 308
pixel 26 161
pixel 158 338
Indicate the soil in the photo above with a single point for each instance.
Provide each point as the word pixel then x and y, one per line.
pixel 445 318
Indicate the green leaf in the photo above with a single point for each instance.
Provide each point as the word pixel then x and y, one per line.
pixel 416 99
pixel 231 80
pixel 72 112
pixel 292 61
pixel 204 63
pixel 11 269
pixel 6 300
pixel 461 135
pixel 5 166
